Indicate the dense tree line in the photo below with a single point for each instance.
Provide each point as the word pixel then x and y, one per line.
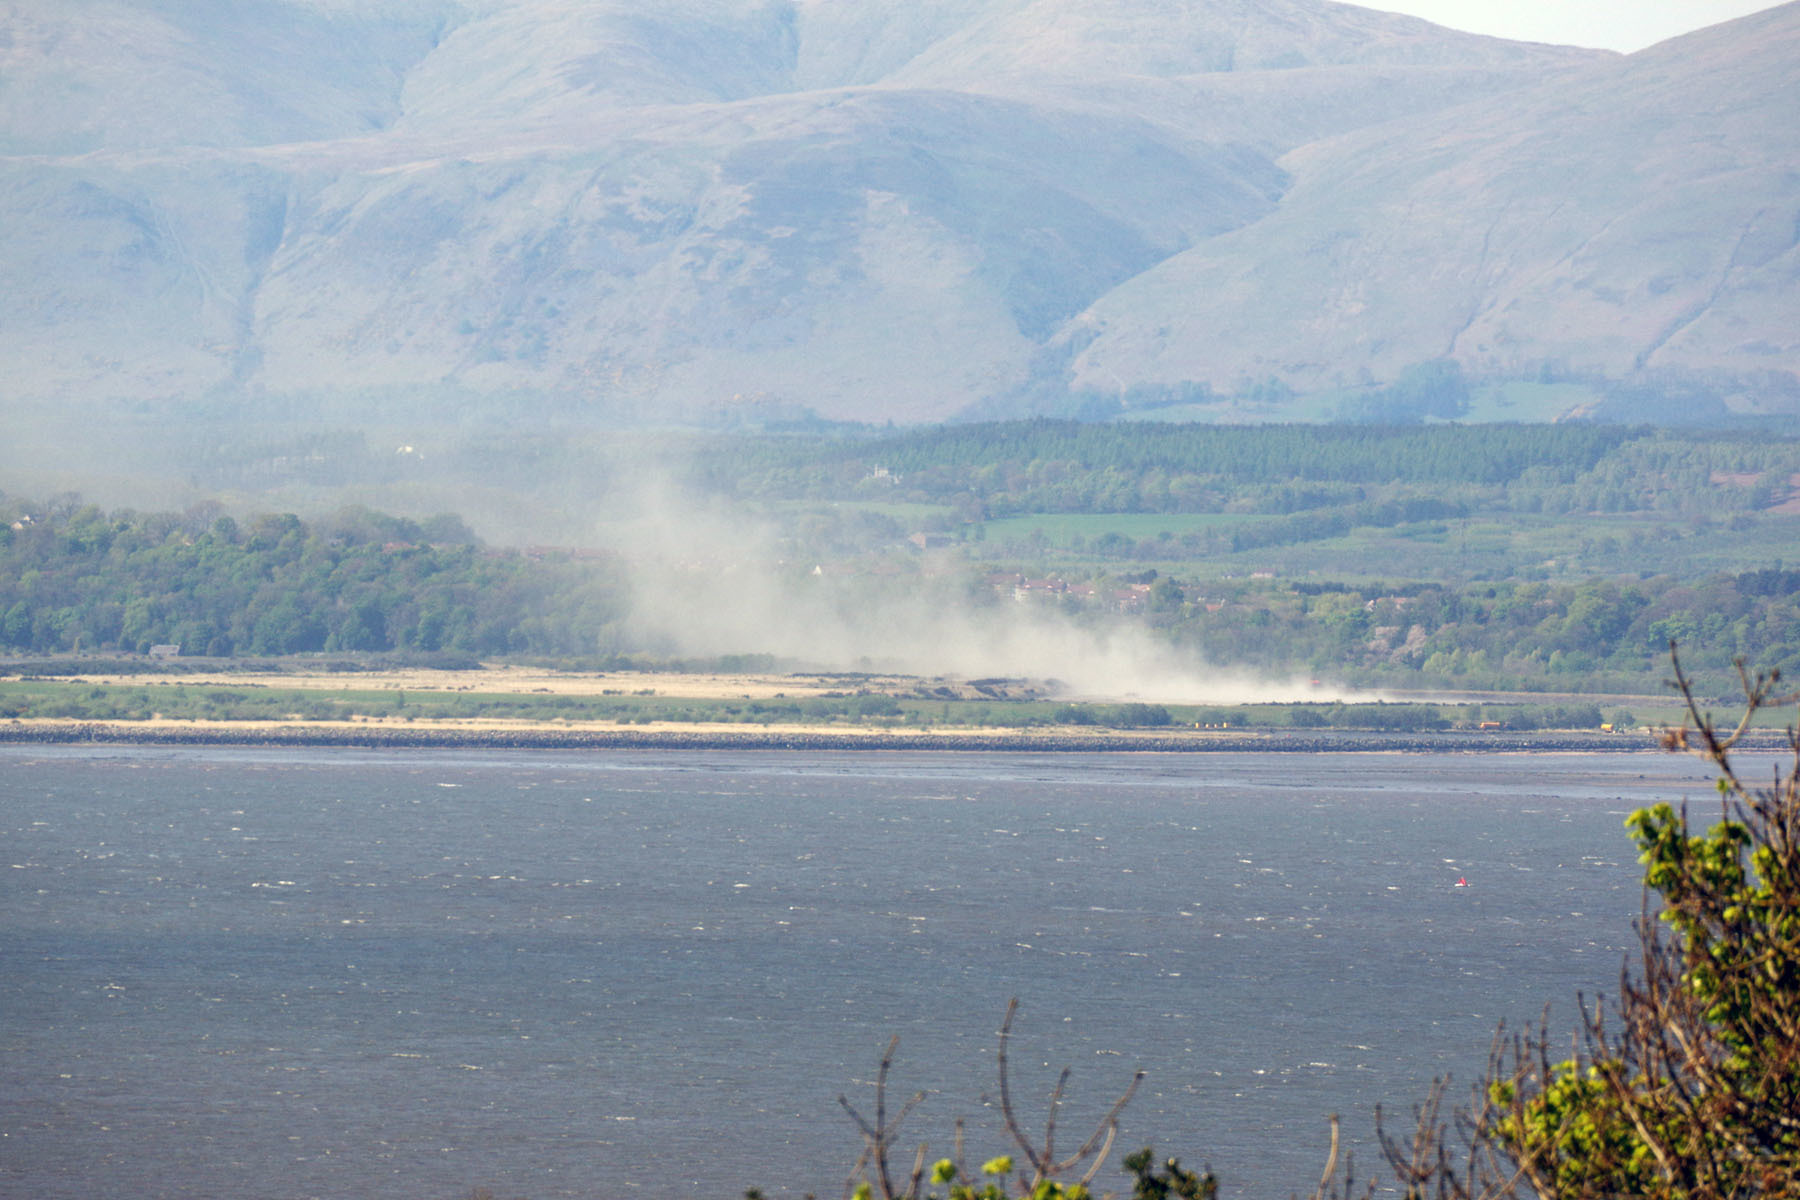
pixel 1043 466
pixel 1252 454
pixel 74 578
pixel 1493 633
pixel 1596 633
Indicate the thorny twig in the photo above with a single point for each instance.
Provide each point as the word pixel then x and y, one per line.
pixel 1042 1159
pixel 880 1134
pixel 878 1138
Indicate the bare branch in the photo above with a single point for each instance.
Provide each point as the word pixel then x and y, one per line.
pixel 1108 1124
pixel 1006 1106
pixel 1056 1095
pixel 1330 1161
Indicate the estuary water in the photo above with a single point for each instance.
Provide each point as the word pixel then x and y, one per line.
pixel 328 973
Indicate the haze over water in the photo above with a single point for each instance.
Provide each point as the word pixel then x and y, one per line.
pixel 282 973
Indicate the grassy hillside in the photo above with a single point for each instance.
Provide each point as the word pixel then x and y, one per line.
pixel 714 212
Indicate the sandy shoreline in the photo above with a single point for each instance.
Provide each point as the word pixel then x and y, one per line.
pixel 572 733
pixel 512 680
pixel 400 734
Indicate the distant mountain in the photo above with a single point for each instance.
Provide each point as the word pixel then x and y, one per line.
pixel 627 213
pixel 1640 213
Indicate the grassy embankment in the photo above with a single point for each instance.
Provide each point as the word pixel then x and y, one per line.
pixel 519 697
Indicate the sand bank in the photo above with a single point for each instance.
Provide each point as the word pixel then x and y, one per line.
pixel 476 734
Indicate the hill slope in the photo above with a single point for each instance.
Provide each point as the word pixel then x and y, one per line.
pixel 888 210
pixel 1641 213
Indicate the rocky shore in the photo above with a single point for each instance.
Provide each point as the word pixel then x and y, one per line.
pixel 537 738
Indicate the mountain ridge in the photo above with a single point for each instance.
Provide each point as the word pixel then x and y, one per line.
pixel 886 212
pixel 1638 174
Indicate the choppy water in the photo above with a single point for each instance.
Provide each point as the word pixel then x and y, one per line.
pixel 343 973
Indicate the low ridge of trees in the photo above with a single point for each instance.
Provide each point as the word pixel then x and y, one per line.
pixel 74 578
pixel 1498 633
pixel 1047 466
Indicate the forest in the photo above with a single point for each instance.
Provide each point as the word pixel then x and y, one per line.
pixel 76 579
pixel 1045 466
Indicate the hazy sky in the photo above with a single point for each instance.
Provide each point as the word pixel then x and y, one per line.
pixel 1612 24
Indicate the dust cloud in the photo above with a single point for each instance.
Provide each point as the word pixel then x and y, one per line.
pixel 707 580
pixel 708 575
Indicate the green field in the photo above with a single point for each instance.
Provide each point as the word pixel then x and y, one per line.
pixel 1526 546
pixel 1520 401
